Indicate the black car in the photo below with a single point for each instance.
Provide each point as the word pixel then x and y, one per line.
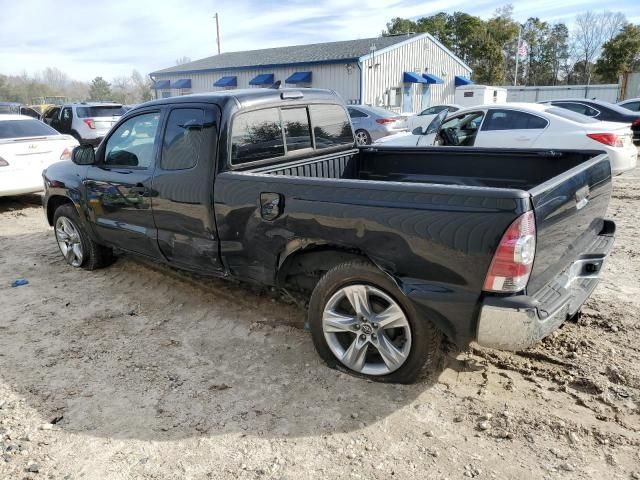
pixel 604 111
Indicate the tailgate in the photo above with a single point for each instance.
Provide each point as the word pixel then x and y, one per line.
pixel 569 211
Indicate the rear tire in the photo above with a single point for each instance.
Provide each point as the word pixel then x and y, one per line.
pixel 391 343
pixel 77 248
pixel 363 137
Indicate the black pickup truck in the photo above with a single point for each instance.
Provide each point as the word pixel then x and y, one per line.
pixel 396 246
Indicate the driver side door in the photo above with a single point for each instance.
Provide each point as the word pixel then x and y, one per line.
pixel 118 187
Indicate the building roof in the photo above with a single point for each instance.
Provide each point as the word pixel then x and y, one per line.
pixel 303 54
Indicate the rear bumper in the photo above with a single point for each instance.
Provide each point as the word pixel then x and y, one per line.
pixel 518 322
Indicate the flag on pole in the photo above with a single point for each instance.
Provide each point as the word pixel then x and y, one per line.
pixel 523 49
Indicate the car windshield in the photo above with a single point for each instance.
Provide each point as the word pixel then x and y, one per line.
pixel 24 129
pixel 571 115
pixel 101 111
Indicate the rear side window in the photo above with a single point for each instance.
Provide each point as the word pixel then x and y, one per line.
pixel 331 126
pixel 184 139
pixel 256 136
pixel 353 113
pixel 297 133
pixel 24 129
pixel 105 111
pixel 512 120
pixel 571 115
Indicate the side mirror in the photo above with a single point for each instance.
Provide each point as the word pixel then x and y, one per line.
pixel 417 131
pixel 83 155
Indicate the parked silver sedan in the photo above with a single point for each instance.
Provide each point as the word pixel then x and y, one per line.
pixel 373 123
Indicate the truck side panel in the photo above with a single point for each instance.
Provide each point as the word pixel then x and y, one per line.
pixel 438 241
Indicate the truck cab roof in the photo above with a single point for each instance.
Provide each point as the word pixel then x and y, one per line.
pixel 253 97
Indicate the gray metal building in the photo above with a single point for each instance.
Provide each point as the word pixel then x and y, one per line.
pixel 405 73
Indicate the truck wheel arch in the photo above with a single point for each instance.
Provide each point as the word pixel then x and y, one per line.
pixel 302 264
pixel 53 203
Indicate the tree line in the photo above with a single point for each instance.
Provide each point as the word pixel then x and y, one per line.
pixel 51 81
pixel 597 49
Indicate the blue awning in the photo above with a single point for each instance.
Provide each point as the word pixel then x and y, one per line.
pixel 462 81
pixel 262 79
pixel 431 78
pixel 182 83
pixel 413 77
pixel 226 82
pixel 299 77
pixel 162 84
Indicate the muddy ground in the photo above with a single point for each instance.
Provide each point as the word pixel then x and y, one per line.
pixel 140 371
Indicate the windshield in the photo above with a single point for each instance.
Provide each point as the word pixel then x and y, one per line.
pixel 24 129
pixel 571 115
pixel 102 111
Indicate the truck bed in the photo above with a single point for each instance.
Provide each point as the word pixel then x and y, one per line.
pixel 478 167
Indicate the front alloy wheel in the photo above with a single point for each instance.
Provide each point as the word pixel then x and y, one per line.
pixel 69 241
pixel 366 330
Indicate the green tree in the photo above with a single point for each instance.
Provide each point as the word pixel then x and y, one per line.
pixel 401 25
pixel 99 89
pixel 620 54
pixel 481 44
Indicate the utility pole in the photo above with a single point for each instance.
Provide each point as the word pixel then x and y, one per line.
pixel 515 77
pixel 217 32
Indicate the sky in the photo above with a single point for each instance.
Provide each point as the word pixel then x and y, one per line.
pixel 112 37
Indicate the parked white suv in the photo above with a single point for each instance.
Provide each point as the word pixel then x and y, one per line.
pixel 87 122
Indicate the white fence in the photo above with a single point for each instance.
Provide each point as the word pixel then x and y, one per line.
pixel 607 93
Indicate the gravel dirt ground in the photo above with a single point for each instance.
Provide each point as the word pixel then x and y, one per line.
pixel 140 371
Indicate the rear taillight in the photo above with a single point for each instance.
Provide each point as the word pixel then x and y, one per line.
pixel 383 121
pixel 513 260
pixel 636 123
pixel 3 162
pixel 610 139
pixel 90 123
pixel 66 154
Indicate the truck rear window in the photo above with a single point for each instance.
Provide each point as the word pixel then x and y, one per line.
pixel 104 111
pixel 25 129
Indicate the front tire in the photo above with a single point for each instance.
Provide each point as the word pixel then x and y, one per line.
pixel 77 248
pixel 361 323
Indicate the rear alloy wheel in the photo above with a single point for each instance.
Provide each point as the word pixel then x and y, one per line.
pixel 366 330
pixel 363 324
pixel 363 137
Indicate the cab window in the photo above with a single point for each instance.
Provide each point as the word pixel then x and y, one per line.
pixel 256 136
pixel 131 144
pixel 184 139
